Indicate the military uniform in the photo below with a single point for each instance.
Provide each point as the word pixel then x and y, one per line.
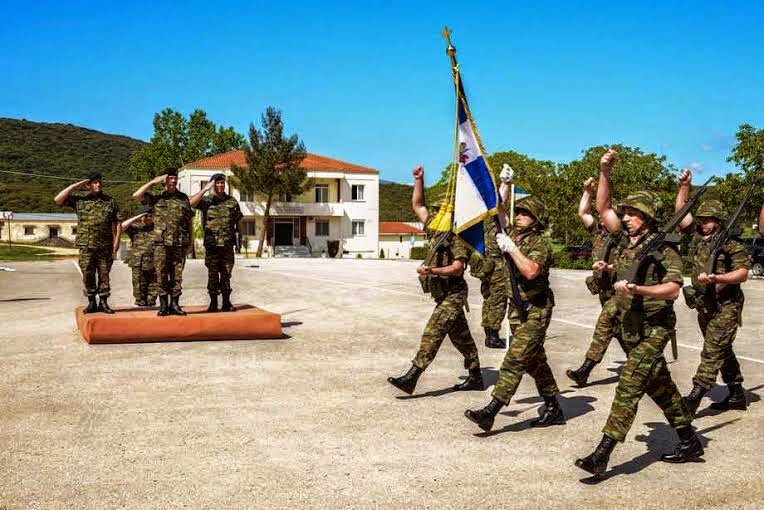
pixel 141 261
pixel 220 217
pixel 491 270
pixel 96 217
pixel 172 216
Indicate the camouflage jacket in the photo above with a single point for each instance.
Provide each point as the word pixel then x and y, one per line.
pixel 142 246
pixel 600 240
pixel 533 246
pixel 172 218
pixel 665 266
pixel 96 217
pixel 734 256
pixel 442 286
pixel 220 219
pixel 483 267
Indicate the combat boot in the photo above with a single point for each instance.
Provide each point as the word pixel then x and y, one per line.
pixel 735 400
pixel 213 303
pixel 174 307
pixel 474 381
pixel 581 374
pixel 596 462
pixel 692 400
pixel 689 448
pixel 492 340
pixel 407 382
pixel 227 306
pixel 552 414
pixel 484 417
pixel 92 305
pixel 164 309
pixel 103 305
pixel 141 302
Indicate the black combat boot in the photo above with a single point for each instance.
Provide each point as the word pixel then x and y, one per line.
pixel 175 308
pixel 141 302
pixel 164 309
pixel 596 462
pixel 484 417
pixel 492 340
pixel 692 400
pixel 103 305
pixel 474 381
pixel 552 414
pixel 213 303
pixel 735 400
pixel 227 306
pixel 581 374
pixel 92 305
pixel 689 448
pixel 407 382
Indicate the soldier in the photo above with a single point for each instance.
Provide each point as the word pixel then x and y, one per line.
pixel 604 250
pixel 647 323
pixel 221 215
pixel 98 232
pixel 449 290
pixel 172 237
pixel 532 257
pixel 140 230
pixel 494 285
pixel 718 299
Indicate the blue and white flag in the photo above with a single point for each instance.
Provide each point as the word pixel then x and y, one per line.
pixel 475 197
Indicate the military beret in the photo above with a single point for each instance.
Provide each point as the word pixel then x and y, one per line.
pixel 171 172
pixel 217 177
pixel 147 209
pixel 94 176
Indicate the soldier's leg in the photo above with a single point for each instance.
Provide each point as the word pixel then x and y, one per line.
pixel 138 284
pixel 495 305
pixel 228 260
pixel 537 364
pixel 105 261
pixel 460 336
pixel 178 262
pixel 161 269
pixel 213 274
pixel 441 322
pixel 88 266
pixel 603 332
pixel 717 355
pixel 152 287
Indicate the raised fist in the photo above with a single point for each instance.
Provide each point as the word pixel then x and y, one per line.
pixel 506 174
pixel 685 177
pixel 607 160
pixel 589 185
pixel 418 172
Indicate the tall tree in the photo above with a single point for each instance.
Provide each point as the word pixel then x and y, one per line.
pixel 273 165
pixel 748 154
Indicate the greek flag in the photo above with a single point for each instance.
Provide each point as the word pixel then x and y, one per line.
pixel 475 196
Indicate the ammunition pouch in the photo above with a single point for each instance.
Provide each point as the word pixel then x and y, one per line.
pixel 591 284
pixel 439 287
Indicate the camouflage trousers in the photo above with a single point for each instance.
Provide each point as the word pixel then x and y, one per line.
pixel 606 327
pixel 96 262
pixel 145 287
pixel 219 261
pixel 526 354
pixel 495 293
pixel 645 371
pixel 169 262
pixel 447 319
pixel 719 329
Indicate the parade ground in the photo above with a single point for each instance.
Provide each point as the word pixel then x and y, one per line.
pixel 309 421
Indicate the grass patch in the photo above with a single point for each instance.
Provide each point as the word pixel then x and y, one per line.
pixel 16 252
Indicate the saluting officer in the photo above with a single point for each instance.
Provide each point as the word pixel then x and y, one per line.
pixel 140 230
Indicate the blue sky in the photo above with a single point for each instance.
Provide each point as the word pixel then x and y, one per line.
pixel 369 81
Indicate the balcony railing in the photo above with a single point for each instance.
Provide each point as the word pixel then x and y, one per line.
pixel 294 209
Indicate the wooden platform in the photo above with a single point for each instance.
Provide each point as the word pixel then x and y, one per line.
pixel 135 325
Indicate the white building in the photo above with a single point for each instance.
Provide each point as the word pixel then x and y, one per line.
pixel 341 205
pixel 36 227
pixel 397 238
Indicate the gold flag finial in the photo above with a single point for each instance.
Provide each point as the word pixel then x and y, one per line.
pixel 450 50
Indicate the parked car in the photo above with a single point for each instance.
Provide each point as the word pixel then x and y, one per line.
pixel 579 251
pixel 755 247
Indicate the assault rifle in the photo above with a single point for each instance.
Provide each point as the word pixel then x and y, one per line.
pixel 517 301
pixel 428 261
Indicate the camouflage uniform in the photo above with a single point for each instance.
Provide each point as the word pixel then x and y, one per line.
pixel 450 295
pixel 141 261
pixel 491 270
pixel 96 217
pixel 172 215
pixel 526 352
pixel 646 327
pixel 220 218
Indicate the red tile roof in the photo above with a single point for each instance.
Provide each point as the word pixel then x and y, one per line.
pixel 311 162
pixel 396 227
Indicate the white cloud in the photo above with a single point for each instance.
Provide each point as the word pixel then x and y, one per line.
pixel 706 147
pixel 696 167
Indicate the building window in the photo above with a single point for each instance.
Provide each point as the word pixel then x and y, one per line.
pixel 28 231
pixel 202 184
pixel 357 191
pixel 246 196
pixel 359 227
pixel 74 231
pixel 322 193
pixel 322 228
pixel 249 228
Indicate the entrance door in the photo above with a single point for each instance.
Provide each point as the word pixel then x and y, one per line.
pixel 284 232
pixel 53 231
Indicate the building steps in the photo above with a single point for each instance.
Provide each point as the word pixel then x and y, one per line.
pixel 292 252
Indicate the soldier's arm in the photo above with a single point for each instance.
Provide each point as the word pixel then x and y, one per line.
pixel 604 206
pixel 417 196
pixel 199 196
pixel 527 267
pixel 117 230
pixel 455 269
pixel 668 290
pixel 60 199
pixel 138 195
pixel 584 205
pixel 132 220
pixel 682 196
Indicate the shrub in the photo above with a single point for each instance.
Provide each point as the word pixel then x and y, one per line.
pixel 358 256
pixel 419 252
pixel 564 261
pixel 333 247
pixel 381 253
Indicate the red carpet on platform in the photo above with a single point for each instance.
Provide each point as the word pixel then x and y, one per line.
pixel 135 325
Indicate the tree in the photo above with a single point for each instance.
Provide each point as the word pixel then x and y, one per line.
pixel 273 165
pixel 177 141
pixel 748 154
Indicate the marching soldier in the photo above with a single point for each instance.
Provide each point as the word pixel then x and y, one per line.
pixel 533 258
pixel 173 230
pixel 140 230
pixel 446 284
pixel 98 232
pixel 221 215
pixel 491 270
pixel 718 298
pixel 647 323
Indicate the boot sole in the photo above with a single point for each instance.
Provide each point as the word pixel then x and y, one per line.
pixel 404 390
pixel 579 383
pixel 542 425
pixel 716 407
pixel 483 426
pixel 580 465
pixel 696 458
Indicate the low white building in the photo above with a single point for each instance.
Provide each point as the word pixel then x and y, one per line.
pixel 341 205
pixel 35 227
pixel 397 238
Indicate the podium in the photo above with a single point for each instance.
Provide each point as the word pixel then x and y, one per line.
pixel 138 325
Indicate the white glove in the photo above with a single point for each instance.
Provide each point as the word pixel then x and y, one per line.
pixel 506 244
pixel 506 174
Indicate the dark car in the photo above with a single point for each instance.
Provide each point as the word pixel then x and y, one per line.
pixel 755 247
pixel 579 251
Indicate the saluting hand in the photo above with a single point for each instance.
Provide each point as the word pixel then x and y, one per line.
pixel 159 179
pixel 607 161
